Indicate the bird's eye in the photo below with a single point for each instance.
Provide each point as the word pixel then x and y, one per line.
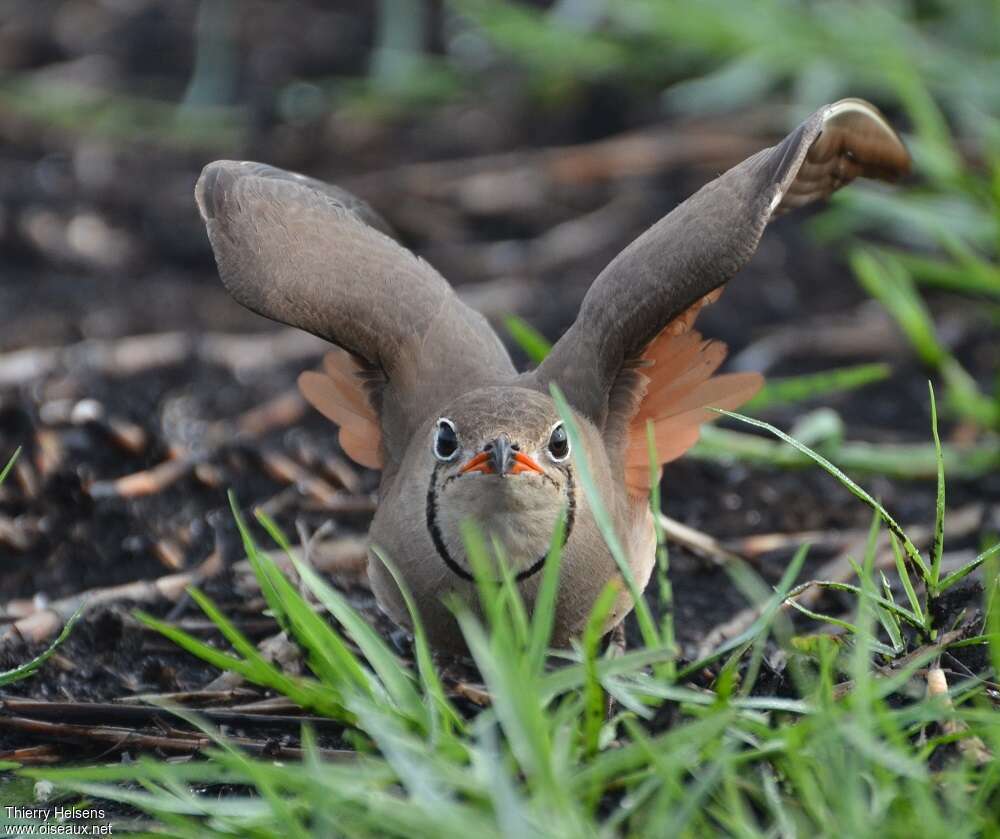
pixel 559 444
pixel 445 440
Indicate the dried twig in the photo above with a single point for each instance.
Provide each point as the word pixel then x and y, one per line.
pixel 120 714
pixel 147 482
pixel 175 742
pixel 283 468
pixel 345 557
pixel 137 353
pixel 14 535
pixel 169 553
pixel 697 541
pixel 34 755
pixel 192 698
pixel 278 412
pixel 46 622
pixel 514 181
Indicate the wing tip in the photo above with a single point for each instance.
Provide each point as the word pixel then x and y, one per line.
pixel 892 158
pixel 215 181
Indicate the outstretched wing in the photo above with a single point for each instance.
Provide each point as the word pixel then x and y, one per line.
pixel 313 256
pixel 701 244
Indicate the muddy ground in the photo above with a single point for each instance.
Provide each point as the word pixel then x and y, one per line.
pixel 120 352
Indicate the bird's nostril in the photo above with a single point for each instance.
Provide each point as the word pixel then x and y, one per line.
pixel 516 446
pixel 488 447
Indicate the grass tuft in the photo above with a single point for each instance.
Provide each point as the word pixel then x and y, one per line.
pixel 849 745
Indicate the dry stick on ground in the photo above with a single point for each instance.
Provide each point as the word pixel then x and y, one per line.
pixel 864 332
pixel 147 482
pixel 128 436
pixel 278 412
pixel 958 524
pixel 519 180
pixel 170 554
pixel 193 698
pixel 123 714
pixel 281 467
pixel 339 556
pixel 345 557
pixel 176 742
pixel 698 542
pixel 754 546
pixel 14 534
pixel 137 353
pixel 45 623
pixel 34 755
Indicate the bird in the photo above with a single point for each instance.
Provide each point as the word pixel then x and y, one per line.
pixel 424 390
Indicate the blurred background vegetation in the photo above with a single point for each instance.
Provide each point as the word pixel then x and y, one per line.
pixel 109 107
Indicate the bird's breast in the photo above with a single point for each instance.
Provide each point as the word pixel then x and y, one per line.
pixel 516 513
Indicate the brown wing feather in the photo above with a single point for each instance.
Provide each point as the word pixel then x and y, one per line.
pixel 339 394
pixel 675 393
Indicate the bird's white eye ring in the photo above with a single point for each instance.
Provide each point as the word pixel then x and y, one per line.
pixel 558 446
pixel 445 440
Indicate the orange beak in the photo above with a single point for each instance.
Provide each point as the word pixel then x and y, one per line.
pixel 482 462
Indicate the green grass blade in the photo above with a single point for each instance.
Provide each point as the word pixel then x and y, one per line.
pixel 904 575
pixel 794 389
pixel 782 591
pixel 593 693
pixel 516 705
pixel 890 620
pixel 22 671
pixel 572 676
pixel 887 281
pixel 254 557
pixel 328 654
pixel 647 626
pixel 10 465
pixel 252 666
pixel 859 592
pixel 937 548
pixel 666 591
pixel 425 660
pixel 906 461
pixel 396 679
pixel 534 345
pixel 544 612
pixel 254 669
pixel 848 484
pixel 968 568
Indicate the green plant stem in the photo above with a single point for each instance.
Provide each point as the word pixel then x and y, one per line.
pixel 896 460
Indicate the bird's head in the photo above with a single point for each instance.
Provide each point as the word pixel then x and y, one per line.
pixel 499 457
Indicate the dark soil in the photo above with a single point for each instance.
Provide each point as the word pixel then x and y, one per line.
pixel 144 267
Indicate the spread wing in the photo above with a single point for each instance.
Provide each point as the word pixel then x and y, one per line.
pixel 702 243
pixel 313 256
